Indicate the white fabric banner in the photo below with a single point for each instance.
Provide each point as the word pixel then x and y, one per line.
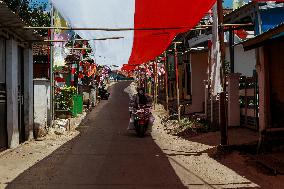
pixel 116 14
pixel 216 86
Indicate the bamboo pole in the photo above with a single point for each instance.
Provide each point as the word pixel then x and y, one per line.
pixel 120 29
pixel 98 39
pixel 145 80
pixel 166 81
pixel 177 81
pixel 232 49
pixel 79 48
pixel 52 86
pixel 153 92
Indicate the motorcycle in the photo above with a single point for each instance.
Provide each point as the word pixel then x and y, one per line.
pixel 103 93
pixel 141 120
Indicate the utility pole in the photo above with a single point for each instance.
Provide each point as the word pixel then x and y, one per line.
pixel 52 104
pixel 177 79
pixel 223 104
pixel 166 81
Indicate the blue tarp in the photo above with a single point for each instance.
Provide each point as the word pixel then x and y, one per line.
pixel 270 18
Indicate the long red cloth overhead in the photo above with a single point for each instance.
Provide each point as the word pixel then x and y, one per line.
pixel 128 67
pixel 180 14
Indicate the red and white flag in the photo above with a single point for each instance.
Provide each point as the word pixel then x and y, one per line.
pixel 145 27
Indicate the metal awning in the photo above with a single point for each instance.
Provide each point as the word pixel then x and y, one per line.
pixel 13 24
pixel 260 40
pixel 242 14
pixel 200 40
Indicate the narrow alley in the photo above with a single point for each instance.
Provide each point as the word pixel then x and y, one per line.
pixel 103 155
pixel 134 94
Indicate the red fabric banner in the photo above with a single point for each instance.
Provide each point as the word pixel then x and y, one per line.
pixel 180 14
pixel 128 68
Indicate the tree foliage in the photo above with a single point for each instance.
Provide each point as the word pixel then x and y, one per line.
pixel 32 12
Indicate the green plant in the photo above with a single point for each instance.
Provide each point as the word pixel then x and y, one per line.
pixel 32 12
pixel 63 98
pixel 187 124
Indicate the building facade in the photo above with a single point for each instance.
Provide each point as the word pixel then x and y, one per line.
pixel 16 80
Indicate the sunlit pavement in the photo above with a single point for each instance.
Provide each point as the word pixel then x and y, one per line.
pixel 103 155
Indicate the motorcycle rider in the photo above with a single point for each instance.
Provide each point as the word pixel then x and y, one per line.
pixel 140 99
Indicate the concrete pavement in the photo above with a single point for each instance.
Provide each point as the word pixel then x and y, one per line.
pixel 103 155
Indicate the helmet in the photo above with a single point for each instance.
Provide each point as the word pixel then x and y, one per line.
pixel 141 90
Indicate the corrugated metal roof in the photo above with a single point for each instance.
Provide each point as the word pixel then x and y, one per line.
pixel 12 22
pixel 260 39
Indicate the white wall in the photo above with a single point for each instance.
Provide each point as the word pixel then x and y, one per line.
pixel 199 62
pixel 41 103
pixel 245 61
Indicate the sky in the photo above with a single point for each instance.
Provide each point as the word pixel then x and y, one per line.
pixel 227 3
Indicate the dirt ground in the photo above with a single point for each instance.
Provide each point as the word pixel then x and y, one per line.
pixel 199 155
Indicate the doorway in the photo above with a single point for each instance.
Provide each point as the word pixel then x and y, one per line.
pixel 21 125
pixel 276 81
pixel 3 99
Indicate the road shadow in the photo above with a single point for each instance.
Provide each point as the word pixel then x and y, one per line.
pixel 103 155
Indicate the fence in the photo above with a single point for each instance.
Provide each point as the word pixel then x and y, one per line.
pixel 249 102
pixel 213 114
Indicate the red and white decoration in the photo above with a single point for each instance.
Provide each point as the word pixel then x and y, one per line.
pixel 147 27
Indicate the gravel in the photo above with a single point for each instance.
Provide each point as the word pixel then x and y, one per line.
pixel 192 162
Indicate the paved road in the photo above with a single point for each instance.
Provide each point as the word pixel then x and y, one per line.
pixel 104 155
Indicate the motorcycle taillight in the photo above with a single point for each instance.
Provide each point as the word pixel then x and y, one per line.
pixel 141 121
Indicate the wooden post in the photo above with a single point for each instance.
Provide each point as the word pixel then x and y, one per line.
pixel 153 84
pixel 177 81
pixel 156 82
pixel 232 50
pixel 138 73
pixel 166 81
pixel 149 83
pixel 223 104
pixel 246 102
pixel 145 79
